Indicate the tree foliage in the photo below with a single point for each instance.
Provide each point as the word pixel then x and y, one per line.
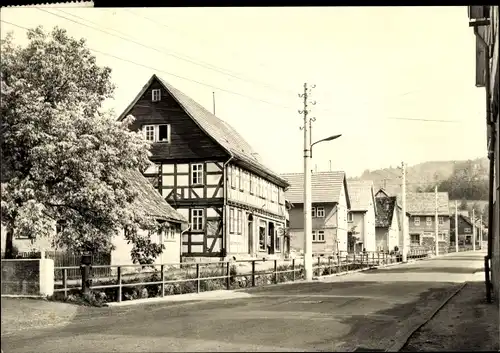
pixel 62 157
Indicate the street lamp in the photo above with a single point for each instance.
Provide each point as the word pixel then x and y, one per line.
pixel 308 261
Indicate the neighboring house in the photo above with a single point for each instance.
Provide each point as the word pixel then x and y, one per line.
pixel 421 207
pixel 361 217
pixel 147 199
pixel 465 230
pixel 389 230
pixel 330 204
pixel 211 175
pixel 386 223
pixel 487 33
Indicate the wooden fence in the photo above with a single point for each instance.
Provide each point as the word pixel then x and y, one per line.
pixel 164 279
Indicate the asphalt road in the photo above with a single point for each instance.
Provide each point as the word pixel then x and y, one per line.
pixel 371 309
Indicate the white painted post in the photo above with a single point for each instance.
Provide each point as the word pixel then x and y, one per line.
pixel 46 277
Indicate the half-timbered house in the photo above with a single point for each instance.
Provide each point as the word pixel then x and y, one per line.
pixel 209 173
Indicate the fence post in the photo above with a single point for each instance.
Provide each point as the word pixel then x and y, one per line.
pixel 253 273
pixel 378 258
pixel 65 281
pixel 275 271
pixel 162 280
pixel 293 270
pixel 119 272
pixel 198 282
pixel 228 280
pixel 338 262
pixel 319 266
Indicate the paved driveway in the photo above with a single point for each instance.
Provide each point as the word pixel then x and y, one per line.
pixel 368 309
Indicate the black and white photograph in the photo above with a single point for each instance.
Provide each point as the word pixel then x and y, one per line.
pixel 249 179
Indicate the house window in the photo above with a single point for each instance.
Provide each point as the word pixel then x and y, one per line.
pixel 441 236
pixel 320 212
pixel 428 221
pixel 314 235
pixel 262 235
pixel 320 236
pixel 278 240
pixel 240 179
pixel 233 176
pixel 441 220
pixel 157 133
pixel 466 230
pixel 240 220
pixel 251 183
pixel 197 174
pixel 416 221
pixel 313 212
pixel 257 186
pixel 280 196
pixel 156 95
pixel 414 239
pixel 197 219
pixel 349 217
pixel 232 220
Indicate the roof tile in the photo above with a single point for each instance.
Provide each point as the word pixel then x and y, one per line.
pixel 326 186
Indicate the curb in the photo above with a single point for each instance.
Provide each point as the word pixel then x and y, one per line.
pixel 399 344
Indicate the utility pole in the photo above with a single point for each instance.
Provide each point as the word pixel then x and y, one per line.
pixel 436 221
pixel 403 210
pixel 481 232
pixel 473 230
pixel 308 266
pixel 213 101
pixel 456 225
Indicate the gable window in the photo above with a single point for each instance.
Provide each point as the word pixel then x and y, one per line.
pixel 466 230
pixel 416 221
pixel 157 133
pixel 156 95
pixel 197 174
pixel 441 220
pixel 349 217
pixel 197 219
pixel 313 212
pixel 320 212
pixel 428 221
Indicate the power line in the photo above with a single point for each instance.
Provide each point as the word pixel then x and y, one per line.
pixel 130 39
pixel 169 73
pixel 172 74
pixel 246 79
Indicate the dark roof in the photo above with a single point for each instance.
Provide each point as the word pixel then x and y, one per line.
pixel 381 193
pixel 326 187
pixel 361 194
pixel 150 200
pixel 385 211
pixel 223 133
pixel 424 203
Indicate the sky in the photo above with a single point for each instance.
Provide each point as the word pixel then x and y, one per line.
pixel 371 67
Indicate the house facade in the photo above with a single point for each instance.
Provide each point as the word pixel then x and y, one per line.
pixel 485 21
pixel 421 207
pixel 361 217
pixel 148 200
pixel 389 228
pixel 330 204
pixel 207 171
pixel 465 230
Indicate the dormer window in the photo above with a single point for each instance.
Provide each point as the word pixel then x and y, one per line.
pixel 156 95
pixel 157 133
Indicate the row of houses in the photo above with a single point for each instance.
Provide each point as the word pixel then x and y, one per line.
pixel 221 201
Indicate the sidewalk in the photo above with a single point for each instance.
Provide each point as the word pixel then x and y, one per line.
pixel 465 323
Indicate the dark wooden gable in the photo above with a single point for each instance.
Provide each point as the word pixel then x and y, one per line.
pixel 188 141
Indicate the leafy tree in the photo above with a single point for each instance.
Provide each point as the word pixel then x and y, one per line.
pixel 463 205
pixel 62 157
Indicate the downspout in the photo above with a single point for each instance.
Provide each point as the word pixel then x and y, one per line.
pixel 224 213
pixel 491 157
